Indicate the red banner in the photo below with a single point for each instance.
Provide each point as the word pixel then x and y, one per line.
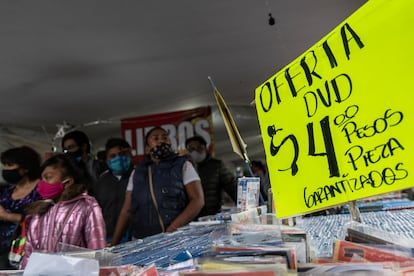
pixel 180 126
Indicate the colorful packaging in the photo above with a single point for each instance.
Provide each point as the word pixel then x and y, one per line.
pixel 248 191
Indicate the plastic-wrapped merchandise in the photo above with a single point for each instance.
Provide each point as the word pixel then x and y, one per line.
pixel 240 234
pixel 103 256
pixel 166 249
pixel 324 230
pixel 248 191
pixel 55 264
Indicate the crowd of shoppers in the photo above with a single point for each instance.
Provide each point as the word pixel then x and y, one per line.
pixel 74 199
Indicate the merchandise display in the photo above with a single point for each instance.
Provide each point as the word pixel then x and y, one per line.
pixel 324 230
pixel 317 245
pixel 166 249
pixel 382 205
pixel 248 190
pixel 321 237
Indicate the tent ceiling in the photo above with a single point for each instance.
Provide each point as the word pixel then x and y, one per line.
pixel 100 61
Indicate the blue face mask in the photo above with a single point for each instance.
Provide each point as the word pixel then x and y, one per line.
pixel 120 164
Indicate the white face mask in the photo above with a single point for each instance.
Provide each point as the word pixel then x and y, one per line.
pixel 198 157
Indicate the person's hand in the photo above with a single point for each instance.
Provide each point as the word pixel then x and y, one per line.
pixel 171 228
pixel 3 213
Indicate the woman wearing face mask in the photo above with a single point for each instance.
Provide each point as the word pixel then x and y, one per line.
pixel 163 193
pixel 21 169
pixel 68 214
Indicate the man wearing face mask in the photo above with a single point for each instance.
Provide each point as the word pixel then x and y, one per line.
pixel 76 144
pixel 163 193
pixel 215 176
pixel 111 185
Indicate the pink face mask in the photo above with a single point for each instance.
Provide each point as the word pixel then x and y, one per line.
pixel 48 191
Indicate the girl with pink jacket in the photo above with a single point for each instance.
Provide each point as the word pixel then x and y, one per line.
pixel 68 214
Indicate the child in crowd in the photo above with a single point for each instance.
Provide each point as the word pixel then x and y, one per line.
pixel 68 215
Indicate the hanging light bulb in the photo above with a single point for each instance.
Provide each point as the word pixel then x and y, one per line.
pixel 271 20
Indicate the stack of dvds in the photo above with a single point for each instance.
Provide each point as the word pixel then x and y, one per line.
pixel 165 249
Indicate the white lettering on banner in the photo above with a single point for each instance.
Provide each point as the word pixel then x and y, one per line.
pixel 172 134
pixel 200 129
pixel 185 129
pixel 140 141
pixel 177 135
pixel 128 137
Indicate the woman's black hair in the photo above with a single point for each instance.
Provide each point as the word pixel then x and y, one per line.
pixel 26 158
pixel 70 167
pixel 151 131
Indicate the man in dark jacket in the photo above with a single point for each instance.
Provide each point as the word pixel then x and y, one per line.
pixel 111 185
pixel 215 177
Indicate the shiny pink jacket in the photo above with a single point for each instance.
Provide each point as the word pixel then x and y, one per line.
pixel 84 227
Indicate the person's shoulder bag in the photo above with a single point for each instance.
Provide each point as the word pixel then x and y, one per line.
pixel 17 246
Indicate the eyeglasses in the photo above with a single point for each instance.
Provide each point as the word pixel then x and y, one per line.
pixel 70 148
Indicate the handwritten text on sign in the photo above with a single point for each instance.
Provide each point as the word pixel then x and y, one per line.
pixel 333 125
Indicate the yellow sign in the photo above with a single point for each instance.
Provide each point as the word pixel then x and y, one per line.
pixel 336 122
